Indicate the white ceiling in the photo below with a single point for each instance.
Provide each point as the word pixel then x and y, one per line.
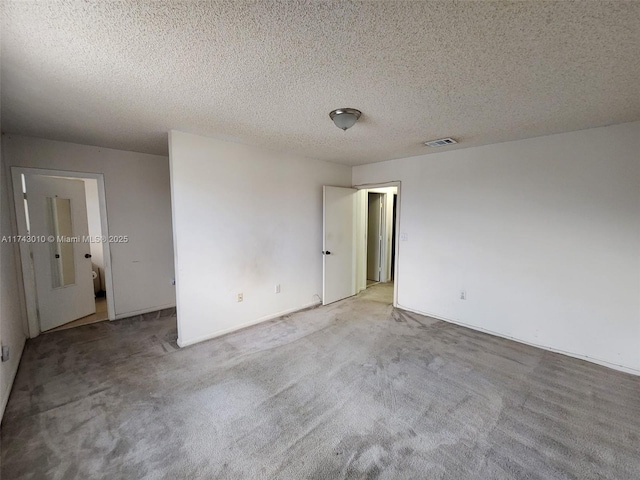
pixel 122 74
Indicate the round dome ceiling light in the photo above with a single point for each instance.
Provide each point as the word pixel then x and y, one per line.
pixel 345 117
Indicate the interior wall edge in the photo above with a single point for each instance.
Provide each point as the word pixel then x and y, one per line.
pixel 597 361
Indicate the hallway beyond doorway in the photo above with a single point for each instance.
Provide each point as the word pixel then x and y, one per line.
pixel 378 292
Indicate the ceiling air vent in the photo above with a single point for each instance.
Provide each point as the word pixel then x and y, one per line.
pixel 442 142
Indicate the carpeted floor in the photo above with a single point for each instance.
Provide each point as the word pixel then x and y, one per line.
pixel 354 390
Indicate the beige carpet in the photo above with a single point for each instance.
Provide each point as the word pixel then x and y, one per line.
pixel 355 390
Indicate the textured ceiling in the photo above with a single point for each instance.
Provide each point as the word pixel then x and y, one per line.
pixel 121 74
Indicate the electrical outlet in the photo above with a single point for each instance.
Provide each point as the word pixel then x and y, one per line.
pixel 240 297
pixel 278 288
pixel 463 295
pixel 404 237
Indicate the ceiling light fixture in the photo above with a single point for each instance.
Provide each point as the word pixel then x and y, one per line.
pixel 345 117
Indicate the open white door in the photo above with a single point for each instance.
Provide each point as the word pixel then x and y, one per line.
pixel 62 262
pixel 339 242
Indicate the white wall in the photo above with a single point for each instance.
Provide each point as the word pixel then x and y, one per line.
pixel 12 313
pixel 244 221
pixel 138 195
pixel 12 310
pixel 543 235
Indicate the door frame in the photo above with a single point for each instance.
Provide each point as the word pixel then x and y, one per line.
pixel 398 184
pixel 26 262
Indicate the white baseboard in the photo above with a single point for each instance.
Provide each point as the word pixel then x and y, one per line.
pixel 266 318
pixel 604 363
pixel 144 310
pixel 5 395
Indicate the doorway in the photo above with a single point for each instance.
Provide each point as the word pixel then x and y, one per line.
pixel 97 259
pixel 377 250
pixel 66 262
pixel 345 238
pixel 374 237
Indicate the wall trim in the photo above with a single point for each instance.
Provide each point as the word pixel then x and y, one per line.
pixel 120 316
pixel 7 394
pixel 604 363
pixel 251 323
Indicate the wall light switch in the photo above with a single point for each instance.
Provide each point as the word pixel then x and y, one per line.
pixel 278 288
pixel 5 353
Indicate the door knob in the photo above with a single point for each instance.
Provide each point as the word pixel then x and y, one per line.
pixel 57 256
pixel 326 253
pixel 87 255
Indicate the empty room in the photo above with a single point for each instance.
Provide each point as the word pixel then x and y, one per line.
pixel 320 239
